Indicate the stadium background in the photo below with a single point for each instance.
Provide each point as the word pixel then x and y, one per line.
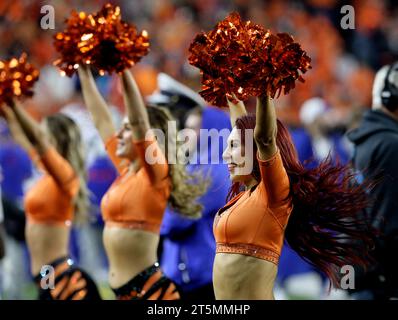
pixel 344 64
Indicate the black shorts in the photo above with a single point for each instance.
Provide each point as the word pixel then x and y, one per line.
pixel 150 284
pixel 70 283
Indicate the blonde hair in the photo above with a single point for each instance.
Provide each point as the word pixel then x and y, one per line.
pixel 186 187
pixel 67 140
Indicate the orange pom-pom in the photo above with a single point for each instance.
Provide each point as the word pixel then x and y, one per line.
pixel 17 78
pixel 102 39
pixel 244 59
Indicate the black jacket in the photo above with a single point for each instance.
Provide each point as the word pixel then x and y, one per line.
pixel 376 155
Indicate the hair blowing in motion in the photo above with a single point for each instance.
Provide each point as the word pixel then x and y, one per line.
pixel 327 227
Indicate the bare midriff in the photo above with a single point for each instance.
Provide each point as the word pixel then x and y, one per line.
pixel 242 277
pixel 46 243
pixel 249 233
pixel 129 251
pixel 49 209
pixel 133 209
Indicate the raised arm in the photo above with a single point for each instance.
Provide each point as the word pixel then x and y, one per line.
pixel 31 128
pixel 136 110
pixel 96 104
pixel 16 130
pixel 266 128
pixel 139 121
pixel 30 135
pixel 236 111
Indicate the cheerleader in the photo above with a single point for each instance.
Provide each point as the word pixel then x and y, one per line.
pixel 316 210
pixel 134 206
pixel 59 197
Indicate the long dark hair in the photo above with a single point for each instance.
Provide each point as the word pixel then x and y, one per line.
pixel 327 226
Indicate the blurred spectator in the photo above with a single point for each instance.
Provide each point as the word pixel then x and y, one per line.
pixel 189 245
pixel 303 143
pixel 188 248
pixel 16 169
pixel 343 60
pixel 375 157
pixel 326 127
pixel 16 164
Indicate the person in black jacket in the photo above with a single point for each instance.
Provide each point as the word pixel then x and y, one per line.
pixel 376 158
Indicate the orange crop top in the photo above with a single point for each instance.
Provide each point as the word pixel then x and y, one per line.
pixel 50 200
pixel 137 200
pixel 253 222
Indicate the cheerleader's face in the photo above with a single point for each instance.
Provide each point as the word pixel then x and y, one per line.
pixel 125 146
pixel 234 156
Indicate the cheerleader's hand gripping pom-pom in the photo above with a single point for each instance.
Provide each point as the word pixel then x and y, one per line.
pixel 102 40
pixel 243 59
pixel 17 77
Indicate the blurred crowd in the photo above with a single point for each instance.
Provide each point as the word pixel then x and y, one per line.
pixel 344 61
pixel 336 92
